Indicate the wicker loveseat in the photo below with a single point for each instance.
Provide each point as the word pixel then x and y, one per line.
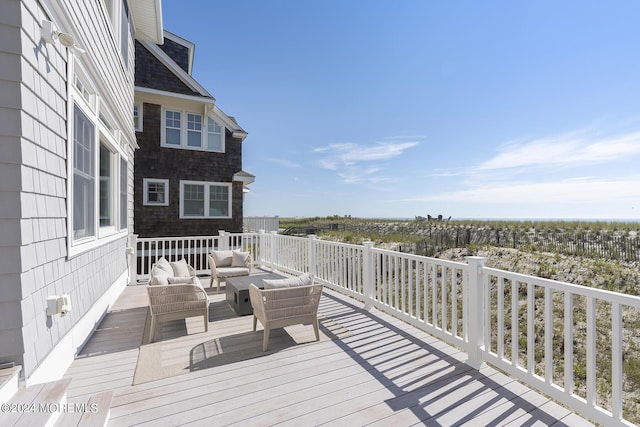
pixel 285 302
pixel 228 263
pixel 175 293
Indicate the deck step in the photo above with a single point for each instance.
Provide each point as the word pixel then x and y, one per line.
pixel 9 382
pixel 36 405
pixel 93 413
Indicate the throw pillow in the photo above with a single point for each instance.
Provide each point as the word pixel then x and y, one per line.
pixel 289 282
pixel 239 259
pixel 159 277
pixel 180 268
pixel 222 258
pixel 164 265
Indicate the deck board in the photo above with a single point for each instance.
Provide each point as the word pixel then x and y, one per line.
pixel 383 372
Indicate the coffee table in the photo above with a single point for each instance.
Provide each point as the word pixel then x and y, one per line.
pixel 237 289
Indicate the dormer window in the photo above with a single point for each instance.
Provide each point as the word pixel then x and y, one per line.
pixel 188 130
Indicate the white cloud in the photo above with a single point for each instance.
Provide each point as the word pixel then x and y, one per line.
pixel 569 191
pixel 349 153
pixel 359 163
pixel 285 162
pixel 573 148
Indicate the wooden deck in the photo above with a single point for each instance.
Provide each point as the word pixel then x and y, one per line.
pixel 381 371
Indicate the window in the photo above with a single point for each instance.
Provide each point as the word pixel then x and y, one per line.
pixel 218 200
pixel 137 117
pixel 205 199
pixel 194 130
pixel 97 168
pixel 214 135
pixel 181 129
pixel 106 186
pixel 123 193
pixel 125 31
pixel 172 128
pixel 156 192
pixel 117 14
pixel 193 199
pixel 83 175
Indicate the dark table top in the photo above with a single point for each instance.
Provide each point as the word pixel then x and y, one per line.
pixel 240 283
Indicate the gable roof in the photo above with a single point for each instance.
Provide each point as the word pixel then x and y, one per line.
pixel 168 78
pixel 170 64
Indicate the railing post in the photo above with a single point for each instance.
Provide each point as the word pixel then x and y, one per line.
pixel 222 242
pixel 476 306
pixel 312 254
pixel 367 275
pixel 132 257
pixel 259 253
pixel 273 252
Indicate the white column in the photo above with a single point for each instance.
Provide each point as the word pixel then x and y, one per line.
pixel 132 257
pixel 476 306
pixel 222 242
pixel 312 254
pixel 368 275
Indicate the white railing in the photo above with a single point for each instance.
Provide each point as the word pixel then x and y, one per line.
pixel 193 249
pixel 565 340
pixel 253 224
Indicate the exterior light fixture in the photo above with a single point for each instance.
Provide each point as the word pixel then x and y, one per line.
pixel 50 34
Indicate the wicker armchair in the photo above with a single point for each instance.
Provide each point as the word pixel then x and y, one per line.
pixel 280 307
pixel 224 264
pixel 175 302
pixel 175 293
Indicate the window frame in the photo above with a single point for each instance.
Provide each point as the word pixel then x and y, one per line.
pixel 139 115
pixel 145 186
pixel 184 130
pixel 118 16
pixel 86 99
pixel 207 185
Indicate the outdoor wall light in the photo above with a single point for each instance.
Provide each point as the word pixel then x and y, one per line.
pixel 58 304
pixel 50 34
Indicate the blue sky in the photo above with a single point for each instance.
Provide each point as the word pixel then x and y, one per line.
pixel 469 109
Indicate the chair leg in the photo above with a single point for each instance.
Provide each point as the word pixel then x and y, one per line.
pixel 265 339
pixel 315 328
pixel 152 327
pixel 255 323
pixel 206 321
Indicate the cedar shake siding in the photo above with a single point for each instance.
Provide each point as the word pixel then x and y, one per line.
pixel 174 164
pixel 152 74
pixel 177 52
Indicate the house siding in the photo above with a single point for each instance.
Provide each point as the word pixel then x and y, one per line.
pixel 154 161
pixel 152 74
pixel 177 52
pixel 34 261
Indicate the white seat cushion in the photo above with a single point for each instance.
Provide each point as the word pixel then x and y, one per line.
pixel 232 271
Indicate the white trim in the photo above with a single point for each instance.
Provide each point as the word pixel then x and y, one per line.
pixel 202 99
pixel 102 135
pixel 139 127
pixel 238 132
pixel 207 186
pixel 56 363
pixel 184 131
pixel 145 186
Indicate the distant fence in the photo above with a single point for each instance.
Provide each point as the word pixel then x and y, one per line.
pixel 253 224
pixel 588 244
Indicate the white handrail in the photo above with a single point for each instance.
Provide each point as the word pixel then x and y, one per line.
pixel 514 321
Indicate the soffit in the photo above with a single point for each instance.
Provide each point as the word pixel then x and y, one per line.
pixel 147 19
